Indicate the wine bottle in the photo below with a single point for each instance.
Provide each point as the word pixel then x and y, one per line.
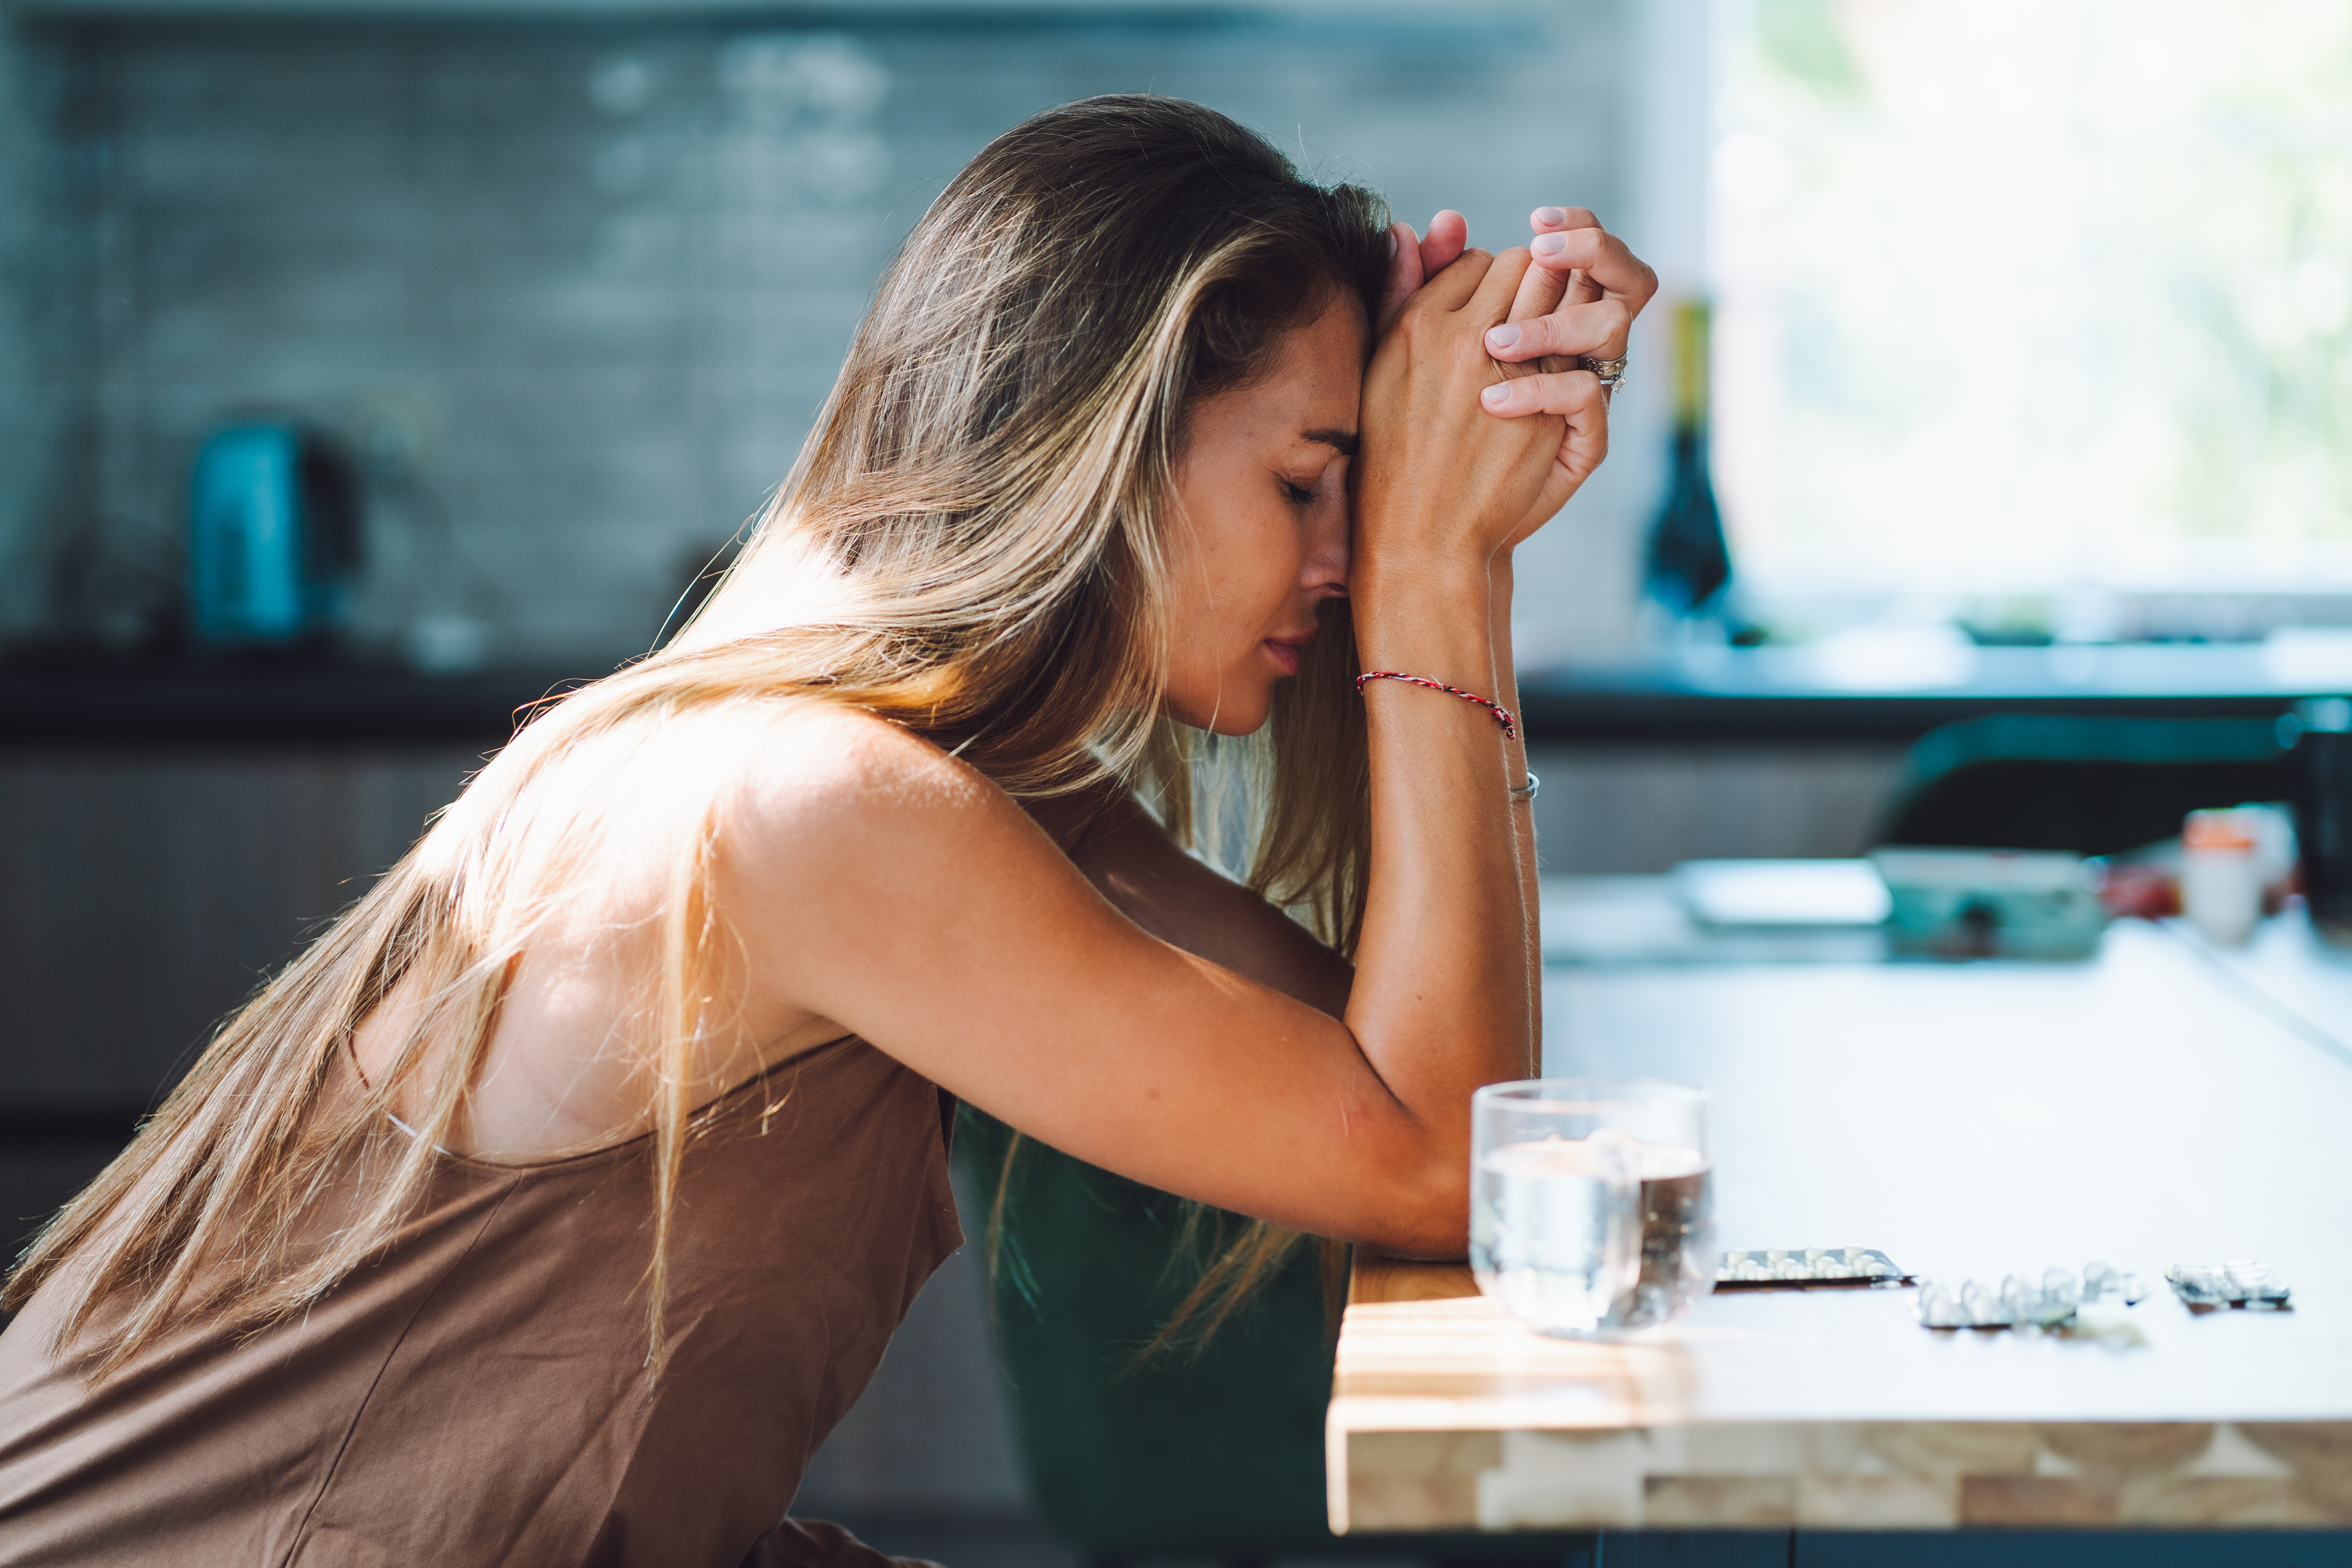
pixel 2320 768
pixel 1688 562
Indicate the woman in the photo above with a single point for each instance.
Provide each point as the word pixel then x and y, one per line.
pixel 558 1201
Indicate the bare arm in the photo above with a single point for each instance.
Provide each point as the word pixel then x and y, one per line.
pixel 1578 299
pixel 1133 863
pixel 1523 814
pixel 947 929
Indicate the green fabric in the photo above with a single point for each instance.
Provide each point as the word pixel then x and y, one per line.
pixel 1216 1453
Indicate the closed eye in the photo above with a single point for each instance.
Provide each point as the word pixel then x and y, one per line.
pixel 1299 494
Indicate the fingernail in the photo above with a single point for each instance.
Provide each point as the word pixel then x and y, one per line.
pixel 1502 337
pixel 1551 214
pixel 1392 245
pixel 1495 396
pixel 1550 244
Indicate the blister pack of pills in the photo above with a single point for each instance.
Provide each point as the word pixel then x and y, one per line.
pixel 2054 1303
pixel 2240 1283
pixel 1806 1269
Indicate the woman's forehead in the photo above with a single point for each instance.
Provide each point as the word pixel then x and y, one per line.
pixel 1319 369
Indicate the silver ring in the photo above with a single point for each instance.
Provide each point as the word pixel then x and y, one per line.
pixel 1527 790
pixel 1611 372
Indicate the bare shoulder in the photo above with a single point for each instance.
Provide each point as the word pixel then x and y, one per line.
pixel 822 778
pixel 816 748
pixel 880 885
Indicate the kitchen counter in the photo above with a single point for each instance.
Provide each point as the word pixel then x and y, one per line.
pixel 130 705
pixel 1722 694
pixel 1863 688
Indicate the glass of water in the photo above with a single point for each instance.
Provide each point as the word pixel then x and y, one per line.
pixel 1591 1202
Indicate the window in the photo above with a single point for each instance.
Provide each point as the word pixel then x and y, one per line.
pixel 2031 309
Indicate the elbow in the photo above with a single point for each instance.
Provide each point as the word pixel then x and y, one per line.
pixel 1426 1213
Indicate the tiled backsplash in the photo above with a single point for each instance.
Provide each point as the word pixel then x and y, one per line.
pixel 575 291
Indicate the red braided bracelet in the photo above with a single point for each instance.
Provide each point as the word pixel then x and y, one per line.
pixel 1502 714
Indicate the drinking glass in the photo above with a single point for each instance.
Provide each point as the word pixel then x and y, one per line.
pixel 1591 1202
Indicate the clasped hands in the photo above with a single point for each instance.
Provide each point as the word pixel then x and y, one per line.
pixel 1476 377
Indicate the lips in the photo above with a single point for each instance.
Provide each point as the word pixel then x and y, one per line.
pixel 1285 650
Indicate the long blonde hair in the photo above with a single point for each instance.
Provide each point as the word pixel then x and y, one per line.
pixel 970 545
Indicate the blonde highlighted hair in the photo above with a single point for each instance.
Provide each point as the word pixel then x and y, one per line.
pixel 970 545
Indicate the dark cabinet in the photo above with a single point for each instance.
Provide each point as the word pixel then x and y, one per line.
pixel 144 893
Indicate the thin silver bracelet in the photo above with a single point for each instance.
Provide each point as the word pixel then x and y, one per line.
pixel 1527 790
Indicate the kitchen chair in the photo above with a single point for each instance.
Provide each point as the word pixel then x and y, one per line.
pixel 1217 1454
pixel 2092 785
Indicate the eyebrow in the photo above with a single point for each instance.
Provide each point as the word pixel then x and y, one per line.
pixel 1340 441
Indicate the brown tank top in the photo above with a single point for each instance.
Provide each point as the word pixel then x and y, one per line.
pixel 479 1395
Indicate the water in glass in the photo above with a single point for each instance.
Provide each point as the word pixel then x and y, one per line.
pixel 1591 1202
pixel 1547 1229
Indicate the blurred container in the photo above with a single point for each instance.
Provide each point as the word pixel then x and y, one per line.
pixel 1990 903
pixel 1781 895
pixel 2222 877
pixel 2320 766
pixel 273 537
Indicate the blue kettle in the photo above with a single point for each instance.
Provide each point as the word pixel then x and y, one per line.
pixel 273 537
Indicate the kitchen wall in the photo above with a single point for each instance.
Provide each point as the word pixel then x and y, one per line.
pixel 27 440
pixel 575 290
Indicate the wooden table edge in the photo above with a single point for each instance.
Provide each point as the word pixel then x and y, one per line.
pixel 2324 1489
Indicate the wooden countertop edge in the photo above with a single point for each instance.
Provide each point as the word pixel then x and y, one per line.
pixel 1377 1281
pixel 1374 1395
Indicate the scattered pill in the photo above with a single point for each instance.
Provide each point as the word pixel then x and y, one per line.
pixel 1977 1309
pixel 2058 1284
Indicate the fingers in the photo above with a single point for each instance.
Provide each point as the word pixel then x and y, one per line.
pixel 1542 289
pixel 1578 288
pixel 1610 270
pixel 1551 220
pixel 1460 283
pixel 1570 394
pixel 1491 302
pixel 1449 236
pixel 1412 260
pixel 1574 395
pixel 1598 330
pixel 1405 271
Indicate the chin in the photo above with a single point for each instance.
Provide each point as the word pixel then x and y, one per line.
pixel 1231 717
pixel 1235 726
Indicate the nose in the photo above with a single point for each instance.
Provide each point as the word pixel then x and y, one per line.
pixel 1324 573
